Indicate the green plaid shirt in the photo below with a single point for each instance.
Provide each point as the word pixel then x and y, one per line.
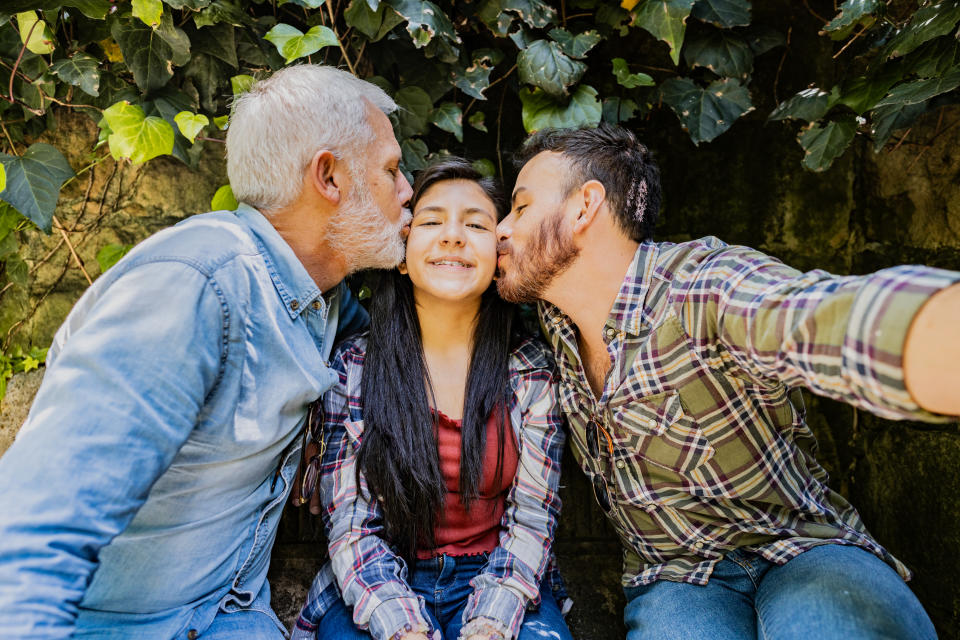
pixel 708 449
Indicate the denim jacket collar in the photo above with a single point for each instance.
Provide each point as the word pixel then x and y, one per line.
pixel 294 285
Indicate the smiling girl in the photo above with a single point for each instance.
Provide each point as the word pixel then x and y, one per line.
pixel 442 445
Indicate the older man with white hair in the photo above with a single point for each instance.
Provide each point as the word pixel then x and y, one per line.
pixel 142 496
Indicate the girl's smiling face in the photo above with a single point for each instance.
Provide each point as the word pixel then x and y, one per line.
pixel 452 246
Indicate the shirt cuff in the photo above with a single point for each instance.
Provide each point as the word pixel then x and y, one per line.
pixel 499 606
pixel 398 614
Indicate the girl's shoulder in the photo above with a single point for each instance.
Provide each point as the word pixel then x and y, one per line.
pixel 531 354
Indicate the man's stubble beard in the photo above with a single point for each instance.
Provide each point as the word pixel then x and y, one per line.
pixel 534 269
pixel 363 235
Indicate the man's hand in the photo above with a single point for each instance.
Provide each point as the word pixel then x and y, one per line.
pixel 931 353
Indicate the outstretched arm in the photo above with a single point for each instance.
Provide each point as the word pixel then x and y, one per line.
pixel 931 353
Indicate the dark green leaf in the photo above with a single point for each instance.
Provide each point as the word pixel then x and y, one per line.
pixel 110 255
pixel 485 167
pixel 17 271
pixel 414 155
pixel 886 120
pixel 367 21
pixel 617 110
pixel 723 13
pixel 222 11
pixel 218 41
pixel 414 112
pixel 33 182
pixel 147 54
pixel 476 121
pixel 824 144
pixel 627 79
pixel 851 12
pixel 79 70
pixel 927 23
pixel 921 90
pixel 861 93
pixel 491 13
pixel 523 37
pixel 541 110
pixel 425 21
pixel 933 59
pixel 543 64
pixel 575 46
pixel 810 104
pixel 449 117
pixel 192 5
pixel 723 52
pixel 535 13
pixel 209 76
pixel 706 113
pixel 666 20
pixel 94 9
pixel 612 17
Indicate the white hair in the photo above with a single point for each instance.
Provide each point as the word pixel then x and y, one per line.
pixel 281 122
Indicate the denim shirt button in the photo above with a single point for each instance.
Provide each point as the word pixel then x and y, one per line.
pixel 192 634
pixel 294 305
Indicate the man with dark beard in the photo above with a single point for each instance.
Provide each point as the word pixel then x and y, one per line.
pixel 143 494
pixel 679 365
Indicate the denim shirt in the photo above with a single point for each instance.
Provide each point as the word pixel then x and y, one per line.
pixel 142 495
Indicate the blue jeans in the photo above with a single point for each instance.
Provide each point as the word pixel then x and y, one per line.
pixel 444 583
pixel 831 591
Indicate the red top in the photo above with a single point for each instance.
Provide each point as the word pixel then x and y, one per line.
pixel 460 532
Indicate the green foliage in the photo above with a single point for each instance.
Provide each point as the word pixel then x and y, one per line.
pixel 19 361
pixel 33 181
pixel 110 254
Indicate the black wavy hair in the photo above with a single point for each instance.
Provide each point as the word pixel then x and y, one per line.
pixel 398 454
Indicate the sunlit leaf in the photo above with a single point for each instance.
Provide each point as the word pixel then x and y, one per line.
pixel 241 84
pixel 449 117
pixel 293 43
pixel 541 110
pixel 224 200
pixel 35 33
pixel 822 144
pixel 810 104
pixel 190 124
pixel 627 79
pixel 666 20
pixel 543 64
pixel 476 120
pixel 3 175
pixel 110 254
pixel 706 113
pixel 149 11
pixel 33 182
pixel 136 136
pixel 576 46
pixel 80 70
pixel 723 13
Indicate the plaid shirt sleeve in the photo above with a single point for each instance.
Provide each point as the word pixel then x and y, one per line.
pixel 372 578
pixel 839 336
pixel 511 578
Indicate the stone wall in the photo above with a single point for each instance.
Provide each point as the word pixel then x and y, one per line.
pixel 869 211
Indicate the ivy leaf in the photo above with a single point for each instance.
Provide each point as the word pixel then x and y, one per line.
pixel 921 90
pixel 190 124
pixel 373 23
pixel 33 182
pixel 541 110
pixel 425 21
pixel 136 136
pixel 886 120
pixel 449 117
pixel 927 23
pixel 414 112
pixel 666 20
pixel 149 53
pixel 80 70
pixel 822 144
pixel 543 64
pixel 110 255
pixel 35 33
pixel 241 84
pixel 3 174
pixel 221 122
pixel 218 41
pixel 810 104
pixel 166 104
pixel 535 13
pixel 617 110
pixel 762 39
pixel 293 43
pixel 18 273
pixel 93 9
pixel 224 200
pixel 861 93
pixel 485 167
pixel 149 11
pixel 851 12
pixel 576 46
pixel 627 79
pixel 491 13
pixel 476 121
pixel 706 113
pixel 413 155
pixel 221 11
pixel 723 13
pixel 935 58
pixel 724 53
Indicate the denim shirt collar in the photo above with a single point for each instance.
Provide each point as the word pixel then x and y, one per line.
pixel 294 285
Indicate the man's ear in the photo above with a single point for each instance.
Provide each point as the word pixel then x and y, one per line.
pixel 325 175
pixel 592 196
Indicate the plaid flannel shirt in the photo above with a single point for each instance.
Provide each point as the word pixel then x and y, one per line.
pixel 370 575
pixel 708 450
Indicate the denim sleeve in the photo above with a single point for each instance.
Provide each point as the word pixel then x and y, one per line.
pixel 141 354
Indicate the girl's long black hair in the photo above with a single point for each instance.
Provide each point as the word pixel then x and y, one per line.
pixel 398 454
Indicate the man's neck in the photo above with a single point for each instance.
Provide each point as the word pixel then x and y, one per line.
pixel 304 229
